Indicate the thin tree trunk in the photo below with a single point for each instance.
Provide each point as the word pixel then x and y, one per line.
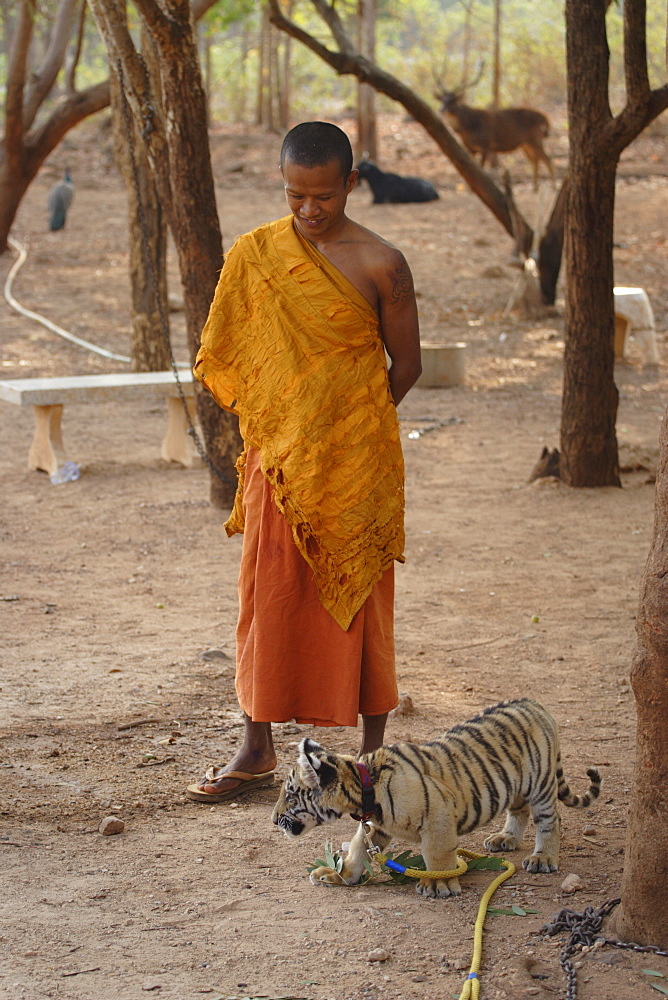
pixel 147 238
pixel 367 133
pixel 496 74
pixel 181 164
pixel 284 115
pixel 641 916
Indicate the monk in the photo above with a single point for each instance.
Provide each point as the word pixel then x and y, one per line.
pixel 295 344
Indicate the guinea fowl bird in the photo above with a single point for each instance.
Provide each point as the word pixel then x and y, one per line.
pixel 60 199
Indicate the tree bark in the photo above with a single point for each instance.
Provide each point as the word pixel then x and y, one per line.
pixel 147 228
pixel 177 146
pixel 641 916
pixel 367 133
pixel 589 402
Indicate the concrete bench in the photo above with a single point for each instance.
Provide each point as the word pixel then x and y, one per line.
pixel 47 396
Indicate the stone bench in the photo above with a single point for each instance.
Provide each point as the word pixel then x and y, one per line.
pixel 47 396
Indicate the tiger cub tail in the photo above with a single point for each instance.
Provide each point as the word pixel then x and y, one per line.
pixel 578 801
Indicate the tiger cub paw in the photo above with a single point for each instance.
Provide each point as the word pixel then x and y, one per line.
pixel 536 863
pixel 434 888
pixel 326 876
pixel 500 842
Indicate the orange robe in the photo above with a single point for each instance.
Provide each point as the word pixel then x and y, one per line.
pixel 294 349
pixel 293 660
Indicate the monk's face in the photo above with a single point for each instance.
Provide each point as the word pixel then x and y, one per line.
pixel 317 198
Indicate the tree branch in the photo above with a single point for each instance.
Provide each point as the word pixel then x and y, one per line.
pixel 334 23
pixel 70 74
pixel 16 74
pixel 67 113
pixel 44 78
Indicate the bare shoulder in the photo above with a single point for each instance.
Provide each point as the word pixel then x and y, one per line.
pixel 375 246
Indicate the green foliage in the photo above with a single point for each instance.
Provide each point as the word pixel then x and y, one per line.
pixel 486 864
pixel 408 860
pixel 659 987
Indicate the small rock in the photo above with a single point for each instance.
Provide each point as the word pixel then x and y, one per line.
pixel 571 883
pixel 460 963
pixel 405 706
pixel 111 825
pixel 589 831
pixel 151 986
pixel 378 955
pixel 419 979
pixel 213 654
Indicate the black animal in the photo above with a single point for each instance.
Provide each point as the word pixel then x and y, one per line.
pixel 60 199
pixel 394 188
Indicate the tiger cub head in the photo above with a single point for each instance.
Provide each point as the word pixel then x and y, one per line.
pixel 312 793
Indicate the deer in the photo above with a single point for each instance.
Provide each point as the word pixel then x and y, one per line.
pixel 488 132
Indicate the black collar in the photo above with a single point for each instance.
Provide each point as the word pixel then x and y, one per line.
pixel 368 798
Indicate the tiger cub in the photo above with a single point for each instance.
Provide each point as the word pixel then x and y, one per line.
pixel 506 758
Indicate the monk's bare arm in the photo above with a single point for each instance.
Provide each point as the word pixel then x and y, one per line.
pixel 399 323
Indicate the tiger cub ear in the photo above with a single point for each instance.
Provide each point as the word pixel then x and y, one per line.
pixel 314 770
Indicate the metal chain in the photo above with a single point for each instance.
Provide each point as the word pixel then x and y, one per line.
pixel 147 117
pixel 584 933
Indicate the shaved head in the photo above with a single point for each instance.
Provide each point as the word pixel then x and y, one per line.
pixel 315 144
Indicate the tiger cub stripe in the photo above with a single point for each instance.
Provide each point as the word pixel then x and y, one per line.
pixel 505 759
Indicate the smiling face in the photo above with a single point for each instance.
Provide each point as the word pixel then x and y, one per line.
pixel 317 198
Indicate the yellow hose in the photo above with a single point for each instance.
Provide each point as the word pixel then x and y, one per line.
pixel 471 987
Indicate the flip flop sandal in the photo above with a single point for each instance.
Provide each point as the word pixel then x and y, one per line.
pixel 246 782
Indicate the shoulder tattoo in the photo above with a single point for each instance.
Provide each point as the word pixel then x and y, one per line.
pixel 402 283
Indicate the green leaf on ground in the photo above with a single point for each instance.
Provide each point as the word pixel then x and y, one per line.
pixel 485 864
pixel 510 911
pixel 659 988
pixel 653 972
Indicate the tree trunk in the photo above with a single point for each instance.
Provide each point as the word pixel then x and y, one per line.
pixel 177 146
pixel 496 73
pixel 196 232
pixel 367 133
pixel 285 69
pixel 147 227
pixel 589 403
pixel 641 916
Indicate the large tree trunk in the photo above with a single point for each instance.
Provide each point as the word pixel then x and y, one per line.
pixel 589 403
pixel 641 916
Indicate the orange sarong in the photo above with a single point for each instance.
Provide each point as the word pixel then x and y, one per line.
pixel 293 660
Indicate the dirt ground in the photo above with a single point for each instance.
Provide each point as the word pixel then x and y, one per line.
pixel 118 605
